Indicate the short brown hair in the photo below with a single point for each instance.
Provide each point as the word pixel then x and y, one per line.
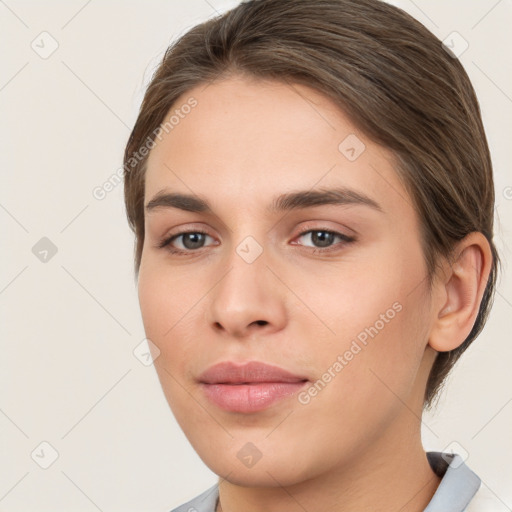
pixel 387 72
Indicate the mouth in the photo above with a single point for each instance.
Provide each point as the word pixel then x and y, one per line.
pixel 249 387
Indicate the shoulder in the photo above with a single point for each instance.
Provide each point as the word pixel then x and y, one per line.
pixel 204 502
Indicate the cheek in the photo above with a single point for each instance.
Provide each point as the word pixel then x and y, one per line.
pixel 378 317
pixel 365 376
pixel 156 303
pixel 167 308
pixel 169 303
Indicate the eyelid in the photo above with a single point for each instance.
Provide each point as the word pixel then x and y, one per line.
pixel 189 227
pixel 168 239
pixel 321 225
pixel 345 239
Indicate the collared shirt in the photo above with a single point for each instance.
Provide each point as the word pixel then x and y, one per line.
pixel 460 490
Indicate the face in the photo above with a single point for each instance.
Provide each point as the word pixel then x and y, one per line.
pixel 328 287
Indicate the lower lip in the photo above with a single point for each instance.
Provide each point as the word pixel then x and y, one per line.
pixel 250 397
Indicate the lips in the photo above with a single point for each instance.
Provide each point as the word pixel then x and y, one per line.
pixel 249 387
pixel 253 371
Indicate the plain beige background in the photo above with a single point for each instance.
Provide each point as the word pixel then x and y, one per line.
pixel 75 394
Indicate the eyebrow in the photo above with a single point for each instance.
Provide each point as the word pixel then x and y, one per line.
pixel 284 202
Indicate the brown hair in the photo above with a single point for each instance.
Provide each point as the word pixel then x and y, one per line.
pixel 387 72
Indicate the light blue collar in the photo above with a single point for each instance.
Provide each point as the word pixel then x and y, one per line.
pixel 458 485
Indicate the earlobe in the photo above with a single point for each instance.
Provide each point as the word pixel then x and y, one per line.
pixel 460 293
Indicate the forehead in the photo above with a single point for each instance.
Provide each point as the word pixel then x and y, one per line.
pixel 246 141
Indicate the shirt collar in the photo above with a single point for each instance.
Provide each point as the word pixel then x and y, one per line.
pixel 458 485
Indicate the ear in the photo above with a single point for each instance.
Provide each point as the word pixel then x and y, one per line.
pixel 459 291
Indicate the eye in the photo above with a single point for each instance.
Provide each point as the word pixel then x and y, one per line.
pixel 191 241
pixel 323 239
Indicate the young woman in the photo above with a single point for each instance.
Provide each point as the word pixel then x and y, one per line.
pixel 311 192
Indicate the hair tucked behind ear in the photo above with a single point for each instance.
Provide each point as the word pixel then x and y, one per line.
pixel 387 72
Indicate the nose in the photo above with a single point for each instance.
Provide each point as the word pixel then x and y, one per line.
pixel 248 299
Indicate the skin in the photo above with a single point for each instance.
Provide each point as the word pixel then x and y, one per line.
pixel 356 445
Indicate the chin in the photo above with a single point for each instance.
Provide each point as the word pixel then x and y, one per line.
pixel 275 470
pixel 253 477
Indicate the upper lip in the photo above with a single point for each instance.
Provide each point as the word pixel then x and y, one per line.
pixel 228 372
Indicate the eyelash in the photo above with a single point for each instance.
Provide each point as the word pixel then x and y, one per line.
pixel 165 243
